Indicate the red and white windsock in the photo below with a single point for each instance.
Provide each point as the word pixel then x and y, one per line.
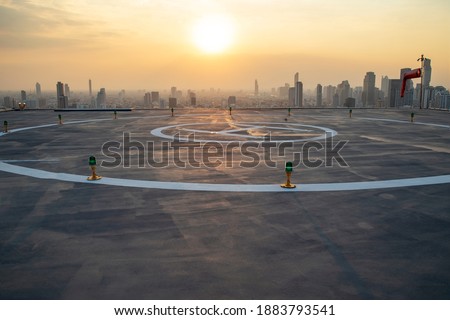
pixel 416 73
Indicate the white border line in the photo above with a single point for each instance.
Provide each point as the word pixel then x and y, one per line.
pixel 190 186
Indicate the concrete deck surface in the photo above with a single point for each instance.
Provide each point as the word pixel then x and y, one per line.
pixel 69 240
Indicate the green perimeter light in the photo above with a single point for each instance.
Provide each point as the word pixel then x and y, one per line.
pixel 92 161
pixel 288 166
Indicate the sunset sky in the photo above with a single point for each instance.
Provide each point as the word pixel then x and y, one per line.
pixel 154 44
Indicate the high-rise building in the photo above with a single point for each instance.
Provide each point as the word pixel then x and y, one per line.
pixel 23 96
pixel 42 102
pixel 357 93
pixel 147 99
pixel 61 98
pixel 192 98
pixel 299 94
pixel 426 72
pixel 319 95
pixel 385 85
pixel 329 92
pixel 291 98
pixel 173 92
pixel 7 102
pixel 368 94
pixel 59 89
pixel 283 92
pixel 172 102
pixel 343 92
pixel 256 88
pixel 122 94
pixel 101 98
pixel 394 99
pixel 295 78
pixel 335 102
pixel 427 90
pixel 38 89
pixel 90 88
pixel 155 97
pixel 67 90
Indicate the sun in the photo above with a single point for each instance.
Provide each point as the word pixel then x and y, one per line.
pixel 213 33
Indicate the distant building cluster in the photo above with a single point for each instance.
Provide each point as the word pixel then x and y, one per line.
pixel 368 95
pixel 388 95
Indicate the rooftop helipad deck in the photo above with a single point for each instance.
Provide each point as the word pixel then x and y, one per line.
pixel 190 206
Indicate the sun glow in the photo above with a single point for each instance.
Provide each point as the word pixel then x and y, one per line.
pixel 213 33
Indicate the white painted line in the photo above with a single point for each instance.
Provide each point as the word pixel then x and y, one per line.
pixel 327 132
pixel 224 133
pixel 41 160
pixel 190 186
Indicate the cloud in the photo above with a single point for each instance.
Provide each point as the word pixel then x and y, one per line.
pixel 40 26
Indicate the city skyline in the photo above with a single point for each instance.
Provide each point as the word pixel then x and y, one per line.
pixel 151 45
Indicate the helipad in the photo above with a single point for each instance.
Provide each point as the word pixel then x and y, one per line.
pixel 267 128
pixel 377 229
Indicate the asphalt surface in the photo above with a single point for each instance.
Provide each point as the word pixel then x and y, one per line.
pixel 76 240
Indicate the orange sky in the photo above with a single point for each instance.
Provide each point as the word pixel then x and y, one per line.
pixel 149 45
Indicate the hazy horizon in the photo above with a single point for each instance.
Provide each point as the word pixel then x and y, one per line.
pixel 150 45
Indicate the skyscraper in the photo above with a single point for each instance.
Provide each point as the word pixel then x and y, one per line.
pixel 256 88
pixel 173 92
pixel 426 72
pixel 291 98
pixel 427 91
pixel 155 97
pixel 61 99
pixel 67 90
pixel 368 95
pixel 299 94
pixel 192 98
pixel 59 89
pixel 283 92
pixel 60 94
pixel 295 78
pixel 394 93
pixel 7 102
pixel 319 95
pixel 343 92
pixel 147 99
pixel 90 88
pixel 38 89
pixel 173 102
pixel 101 98
pixel 329 92
pixel 23 96
pixel 335 102
pixel 385 85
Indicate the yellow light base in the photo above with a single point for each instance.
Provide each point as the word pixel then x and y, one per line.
pixel 94 177
pixel 288 186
